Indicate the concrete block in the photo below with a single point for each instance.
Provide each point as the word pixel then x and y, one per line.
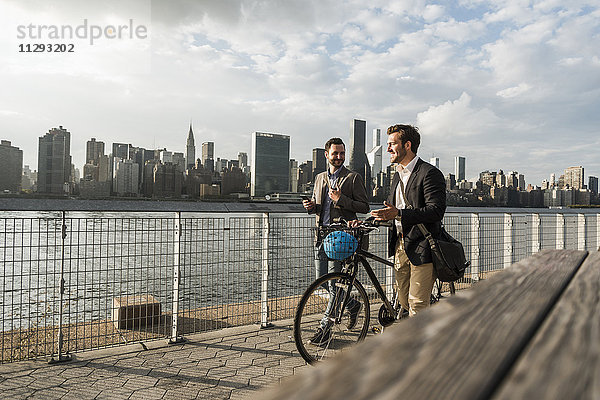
pixel 130 312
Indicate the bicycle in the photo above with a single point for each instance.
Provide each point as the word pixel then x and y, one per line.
pixel 331 293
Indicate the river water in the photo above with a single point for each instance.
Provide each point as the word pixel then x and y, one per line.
pixel 221 255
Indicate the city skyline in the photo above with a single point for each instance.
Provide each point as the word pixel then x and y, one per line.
pixel 508 87
pixel 208 148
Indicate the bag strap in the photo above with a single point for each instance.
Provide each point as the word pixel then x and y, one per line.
pixel 424 230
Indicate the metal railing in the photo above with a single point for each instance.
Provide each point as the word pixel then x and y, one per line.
pixel 74 281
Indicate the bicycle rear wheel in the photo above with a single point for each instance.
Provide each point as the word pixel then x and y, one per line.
pixel 342 333
pixel 436 293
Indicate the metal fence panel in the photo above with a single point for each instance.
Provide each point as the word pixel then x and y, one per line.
pixel 76 281
pixel 31 259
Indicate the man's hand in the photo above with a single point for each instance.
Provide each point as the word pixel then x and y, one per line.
pixel 385 214
pixel 308 204
pixel 335 194
pixel 354 223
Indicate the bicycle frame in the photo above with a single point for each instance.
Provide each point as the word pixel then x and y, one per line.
pixel 362 256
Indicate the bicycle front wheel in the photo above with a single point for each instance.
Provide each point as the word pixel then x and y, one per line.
pixel 320 307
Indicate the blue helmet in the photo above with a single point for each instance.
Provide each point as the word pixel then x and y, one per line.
pixel 339 245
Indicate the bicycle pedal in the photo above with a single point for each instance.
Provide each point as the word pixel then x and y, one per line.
pixel 377 330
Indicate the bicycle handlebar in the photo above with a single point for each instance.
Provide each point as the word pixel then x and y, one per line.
pixel 365 226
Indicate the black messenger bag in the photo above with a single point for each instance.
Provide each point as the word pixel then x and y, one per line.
pixel 447 254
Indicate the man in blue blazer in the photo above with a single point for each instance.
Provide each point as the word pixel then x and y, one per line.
pixel 418 196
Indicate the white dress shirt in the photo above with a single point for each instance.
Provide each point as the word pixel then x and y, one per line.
pixel 404 172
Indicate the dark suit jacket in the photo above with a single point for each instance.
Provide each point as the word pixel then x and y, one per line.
pixel 426 192
pixel 353 197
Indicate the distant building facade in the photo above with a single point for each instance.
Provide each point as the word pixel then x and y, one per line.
pixel 168 180
pixel 29 179
pixel 93 151
pixel 208 155
pixel 319 162
pixel 125 179
pixel 293 176
pixel 593 185
pixel 574 177
pixel 460 168
pixel 270 163
pixel 54 161
pixel 358 161
pixel 11 165
pixel 243 162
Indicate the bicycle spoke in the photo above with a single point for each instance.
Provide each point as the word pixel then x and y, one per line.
pixel 340 331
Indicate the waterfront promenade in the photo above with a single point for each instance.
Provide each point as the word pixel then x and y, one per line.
pixel 232 363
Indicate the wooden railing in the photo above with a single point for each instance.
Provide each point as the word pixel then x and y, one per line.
pixel 530 332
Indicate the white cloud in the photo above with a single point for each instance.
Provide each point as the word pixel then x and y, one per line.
pixel 458 31
pixel 433 12
pixel 457 118
pixel 514 91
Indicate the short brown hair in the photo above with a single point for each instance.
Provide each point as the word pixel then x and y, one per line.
pixel 335 140
pixel 408 133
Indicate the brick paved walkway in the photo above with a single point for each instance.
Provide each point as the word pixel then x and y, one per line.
pixel 227 364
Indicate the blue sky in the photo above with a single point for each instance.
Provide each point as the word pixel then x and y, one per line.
pixel 512 85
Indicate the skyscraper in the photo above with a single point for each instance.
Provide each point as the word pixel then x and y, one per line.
pixel 125 180
pixel 521 182
pixel 179 160
pixel 270 163
pixel 375 156
pixel 574 177
pixel 293 176
pixel 93 151
pixel 319 162
pixel 54 161
pixel 120 150
pixel 190 150
pixel 29 178
pixel 358 158
pixel 376 137
pixel 459 168
pixel 208 155
pixel 11 165
pixel 435 161
pixel 593 184
pixel 243 160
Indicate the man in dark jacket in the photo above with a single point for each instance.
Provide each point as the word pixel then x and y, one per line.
pixel 338 192
pixel 418 196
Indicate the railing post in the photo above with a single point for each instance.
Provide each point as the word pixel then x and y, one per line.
pixel 175 337
pixel 59 339
pixel 508 240
pixel 474 247
pixel 535 234
pixel 264 307
pixel 581 237
pixel 389 279
pixel 560 231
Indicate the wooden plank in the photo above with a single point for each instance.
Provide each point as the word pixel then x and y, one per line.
pixel 563 360
pixel 460 348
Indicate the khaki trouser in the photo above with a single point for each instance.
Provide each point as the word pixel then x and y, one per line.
pixel 413 282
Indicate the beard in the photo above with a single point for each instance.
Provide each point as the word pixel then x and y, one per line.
pixel 399 156
pixel 336 163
